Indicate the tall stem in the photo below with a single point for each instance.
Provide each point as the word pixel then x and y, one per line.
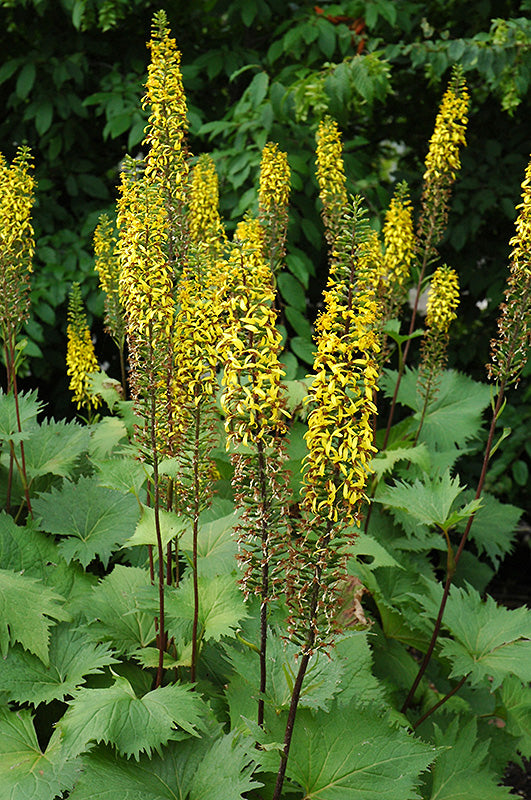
pixel 197 421
pixel 464 537
pixel 264 589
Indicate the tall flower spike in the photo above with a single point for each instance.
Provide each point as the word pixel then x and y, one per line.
pixel 207 234
pixel 331 176
pixel 509 352
pixel 443 161
pixel 166 161
pixel 273 201
pixel 399 243
pixel 443 300
pixel 80 356
pixel 339 439
pixel 108 268
pixel 16 248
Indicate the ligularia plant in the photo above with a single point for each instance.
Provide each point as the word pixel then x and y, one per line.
pixel 190 606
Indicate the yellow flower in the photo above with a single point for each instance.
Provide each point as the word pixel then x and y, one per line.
pixel 399 240
pixel 340 436
pixel 510 350
pixel 108 268
pixel 205 227
pixel 443 299
pixel 273 200
pixel 80 356
pixel 448 137
pixel 331 175
pixel 16 241
pixel 252 397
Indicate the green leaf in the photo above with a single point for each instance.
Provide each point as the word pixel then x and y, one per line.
pixel 115 611
pixel 428 501
pixel 24 678
pixel 122 474
pixel 490 641
pixel 366 545
pixel 352 754
pixel 133 725
pixel 216 546
pixel 29 407
pixel 25 80
pixel 385 461
pixel 26 773
pixel 461 771
pixel 54 447
pixel 516 700
pixel 106 436
pixel 94 521
pixel 292 291
pixel 494 527
pixel 27 609
pixel 170 526
pixel 226 770
pixel 24 549
pixel 298 322
pixel 257 89
pixel 454 416
pixel 304 349
pixel 221 607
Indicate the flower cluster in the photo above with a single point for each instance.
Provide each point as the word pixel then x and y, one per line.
pixel 206 230
pixel 331 176
pixel 108 268
pixel 399 242
pixel 339 436
pixel 252 397
pixel 80 357
pixel 273 201
pixel 443 162
pixel 16 245
pixel 443 299
pixel 509 351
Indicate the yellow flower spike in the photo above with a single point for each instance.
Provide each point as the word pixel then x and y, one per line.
pixel 273 198
pixel 204 223
pixel 108 268
pixel 399 241
pixel 443 299
pixel 80 356
pixel 510 349
pixel 331 176
pixel 17 246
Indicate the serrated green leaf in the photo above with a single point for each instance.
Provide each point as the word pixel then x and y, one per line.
pixel 106 436
pixel 26 773
pixel 170 526
pixel 516 700
pixel 386 460
pixel 27 611
pixel 351 754
pixel 454 416
pixel 494 527
pixel 122 474
pixel 216 546
pixel 24 678
pixel 95 521
pixel 429 501
pixel 226 770
pixel 29 407
pixel 221 607
pixel 54 447
pixel 461 771
pixel 115 612
pixel 133 725
pixel 490 641
pixel 25 549
pixel 366 545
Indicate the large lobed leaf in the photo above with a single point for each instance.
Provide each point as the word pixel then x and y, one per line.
pixel 453 416
pixel 27 611
pixel 115 715
pixel 352 754
pixel 26 773
pixel 94 520
pixel 114 611
pixel 24 678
